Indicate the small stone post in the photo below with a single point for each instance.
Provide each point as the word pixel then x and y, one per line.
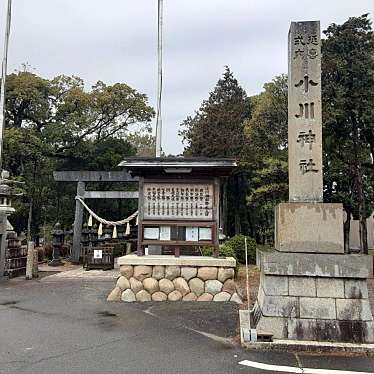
pixel 30 260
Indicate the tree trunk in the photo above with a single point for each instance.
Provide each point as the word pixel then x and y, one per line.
pixel 347 229
pixel 364 236
pixel 29 220
pixel 359 187
pixel 236 214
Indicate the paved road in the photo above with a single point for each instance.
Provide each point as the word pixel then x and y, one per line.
pixel 67 326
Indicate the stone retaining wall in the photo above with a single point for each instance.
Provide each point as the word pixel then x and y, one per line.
pixel 315 297
pixel 175 283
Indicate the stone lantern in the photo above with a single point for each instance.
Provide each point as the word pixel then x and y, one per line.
pixel 57 242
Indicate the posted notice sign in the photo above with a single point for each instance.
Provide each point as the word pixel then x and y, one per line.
pixel 98 254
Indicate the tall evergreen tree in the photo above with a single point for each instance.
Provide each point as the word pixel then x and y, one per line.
pixel 216 130
pixel 348 97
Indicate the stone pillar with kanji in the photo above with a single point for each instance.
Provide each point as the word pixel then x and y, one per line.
pixel 305 224
pixel 310 289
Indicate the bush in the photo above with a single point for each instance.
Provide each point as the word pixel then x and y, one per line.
pixel 119 250
pixel 236 246
pixel 227 251
pixel 224 251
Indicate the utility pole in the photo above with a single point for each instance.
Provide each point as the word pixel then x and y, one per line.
pixel 3 79
pixel 159 84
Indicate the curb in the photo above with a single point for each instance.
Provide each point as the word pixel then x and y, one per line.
pixel 311 347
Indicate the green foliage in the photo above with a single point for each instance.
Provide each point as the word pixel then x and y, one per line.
pixel 224 251
pixel 265 157
pixel 348 102
pixel 58 124
pixel 266 130
pixel 216 130
pixel 235 247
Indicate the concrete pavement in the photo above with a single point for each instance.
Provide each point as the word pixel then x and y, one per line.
pixel 68 327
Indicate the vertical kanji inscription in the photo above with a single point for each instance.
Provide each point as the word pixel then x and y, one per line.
pixel 304 112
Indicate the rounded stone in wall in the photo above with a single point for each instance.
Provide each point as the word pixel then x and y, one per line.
pixel 128 296
pixel 150 285
pixel 229 286
pixel 142 272
pixel 175 296
pixel 236 299
pixel 225 273
pixel 135 285
pixel 115 295
pixel 213 286
pixel 159 296
pixel 190 297
pixel 166 286
pixel 205 297
pixel 172 272
pixel 197 286
pixel 207 273
pixel 222 296
pixel 181 285
pixel 123 283
pixel 143 296
pixel 188 272
pixel 158 272
pixel 127 271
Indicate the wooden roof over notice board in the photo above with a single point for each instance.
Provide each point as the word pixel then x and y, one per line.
pixel 179 166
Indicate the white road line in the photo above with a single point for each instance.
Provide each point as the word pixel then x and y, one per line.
pixel 292 369
pixel 327 371
pixel 259 365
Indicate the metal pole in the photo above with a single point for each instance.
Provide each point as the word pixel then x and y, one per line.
pixel 3 79
pixel 246 271
pixel 159 84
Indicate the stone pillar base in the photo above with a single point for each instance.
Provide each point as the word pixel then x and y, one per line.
pixel 309 228
pixel 315 297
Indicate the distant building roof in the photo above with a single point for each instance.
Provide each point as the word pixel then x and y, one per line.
pixel 179 165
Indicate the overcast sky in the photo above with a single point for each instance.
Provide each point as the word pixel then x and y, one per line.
pixel 116 40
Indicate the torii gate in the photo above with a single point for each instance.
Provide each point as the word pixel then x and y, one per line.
pixel 81 177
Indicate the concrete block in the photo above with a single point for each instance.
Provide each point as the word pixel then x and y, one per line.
pixel 330 287
pixel 165 260
pixel 274 285
pixel 309 228
pixel 274 325
pixel 353 310
pixel 319 308
pixel 277 306
pixel 356 289
pixel 302 286
pixel 317 265
pixel 331 330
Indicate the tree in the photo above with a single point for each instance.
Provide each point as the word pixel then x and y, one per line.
pixel 54 124
pixel 348 98
pixel 265 157
pixel 266 131
pixel 216 130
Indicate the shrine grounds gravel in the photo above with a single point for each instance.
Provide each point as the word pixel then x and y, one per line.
pixel 67 326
